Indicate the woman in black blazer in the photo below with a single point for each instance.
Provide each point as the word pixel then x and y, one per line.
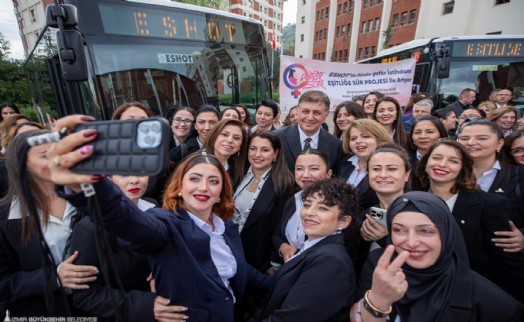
pixel 31 250
pixel 137 302
pixel 358 143
pixel 260 197
pixel 195 252
pixel 318 283
pixel 424 274
pixel 484 140
pixel 311 165
pixel 447 171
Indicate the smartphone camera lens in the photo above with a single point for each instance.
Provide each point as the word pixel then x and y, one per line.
pixel 155 127
pixel 143 127
pixel 148 140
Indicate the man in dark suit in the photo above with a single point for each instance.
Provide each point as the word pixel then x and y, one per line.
pixel 313 109
pixel 466 98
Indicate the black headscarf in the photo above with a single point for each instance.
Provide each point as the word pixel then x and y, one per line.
pixel 429 289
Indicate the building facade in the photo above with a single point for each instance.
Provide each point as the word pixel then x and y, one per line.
pixel 30 15
pixel 352 30
pixel 269 12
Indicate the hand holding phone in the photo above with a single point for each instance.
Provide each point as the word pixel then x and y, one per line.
pixel 128 147
pixel 379 214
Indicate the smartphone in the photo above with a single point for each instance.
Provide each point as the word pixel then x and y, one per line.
pixel 379 215
pixel 129 147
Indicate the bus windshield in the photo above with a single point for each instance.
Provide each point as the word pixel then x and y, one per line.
pixel 483 75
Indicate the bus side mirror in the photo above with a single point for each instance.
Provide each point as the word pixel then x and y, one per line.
pixel 72 58
pixel 443 61
pixel 67 12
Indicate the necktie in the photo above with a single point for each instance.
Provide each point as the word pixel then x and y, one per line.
pixel 307 143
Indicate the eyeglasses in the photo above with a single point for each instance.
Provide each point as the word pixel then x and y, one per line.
pixel 178 120
pixel 470 117
pixel 503 94
pixel 517 152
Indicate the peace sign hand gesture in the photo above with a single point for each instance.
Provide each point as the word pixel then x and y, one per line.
pixel 389 281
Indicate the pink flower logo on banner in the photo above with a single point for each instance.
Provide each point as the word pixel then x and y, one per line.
pixel 295 77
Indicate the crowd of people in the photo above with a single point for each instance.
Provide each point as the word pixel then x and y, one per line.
pixel 401 213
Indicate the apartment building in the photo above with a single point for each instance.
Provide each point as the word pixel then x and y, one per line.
pixel 352 30
pixel 269 12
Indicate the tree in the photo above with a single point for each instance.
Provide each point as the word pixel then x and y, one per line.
pixel 215 4
pixel 288 40
pixel 5 47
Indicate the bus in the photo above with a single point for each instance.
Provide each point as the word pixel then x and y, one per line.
pixel 447 65
pixel 159 52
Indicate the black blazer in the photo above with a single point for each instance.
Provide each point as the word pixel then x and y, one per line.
pixel 317 285
pixel 509 183
pixel 473 298
pixel 179 254
pixel 261 223
pixel 22 276
pixel 175 155
pixel 327 143
pixel 367 197
pixel 479 215
pixel 136 303
pixel 279 237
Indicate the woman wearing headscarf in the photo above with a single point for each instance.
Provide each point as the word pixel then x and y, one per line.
pixel 424 275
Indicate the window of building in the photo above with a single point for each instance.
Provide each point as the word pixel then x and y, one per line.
pixel 379 2
pixel 365 4
pixel 412 15
pixel 337 33
pixel 345 8
pixel 377 24
pixel 447 7
pixel 318 15
pixel 303 19
pixel 302 37
pixel 363 30
pixel 404 18
pixel 395 20
pixel 373 51
pixel 351 4
pixel 346 54
pixel 370 25
pixel 316 35
pixel 303 2
pixel 326 13
pixel 497 2
pixel 325 33
pixel 335 55
pixel 359 54
pixel 348 28
pixel 371 3
pixel 265 23
pixel 343 29
pixel 366 52
pixel 32 13
pixel 339 9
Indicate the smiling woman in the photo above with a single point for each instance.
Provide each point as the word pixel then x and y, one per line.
pixel 424 275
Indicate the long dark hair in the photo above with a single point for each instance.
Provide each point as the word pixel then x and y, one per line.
pixel 465 179
pixel 400 136
pixel 353 109
pixel 24 187
pixel 436 122
pixel 282 177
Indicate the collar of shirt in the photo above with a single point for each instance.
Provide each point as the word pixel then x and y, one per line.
pixel 354 160
pixel 199 143
pixel 314 138
pixel 177 143
pixel 220 228
pixel 144 205
pixel 419 155
pixel 14 212
pixel 248 178
pixel 307 245
pixel 487 178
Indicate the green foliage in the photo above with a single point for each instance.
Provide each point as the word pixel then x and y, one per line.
pixel 288 39
pixel 23 84
pixel 215 4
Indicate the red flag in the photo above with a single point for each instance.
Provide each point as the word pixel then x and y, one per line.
pixel 274 43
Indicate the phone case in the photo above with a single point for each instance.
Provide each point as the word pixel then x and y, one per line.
pixel 382 218
pixel 116 150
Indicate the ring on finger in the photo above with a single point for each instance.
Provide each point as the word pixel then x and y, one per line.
pixel 55 161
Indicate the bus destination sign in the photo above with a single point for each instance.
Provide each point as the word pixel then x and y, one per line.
pixel 174 24
pixel 486 48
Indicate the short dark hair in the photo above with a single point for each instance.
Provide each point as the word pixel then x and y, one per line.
pixel 271 104
pixel 117 114
pixel 232 109
pixel 323 156
pixel 443 113
pixel 438 124
pixel 335 192
pixel 314 96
